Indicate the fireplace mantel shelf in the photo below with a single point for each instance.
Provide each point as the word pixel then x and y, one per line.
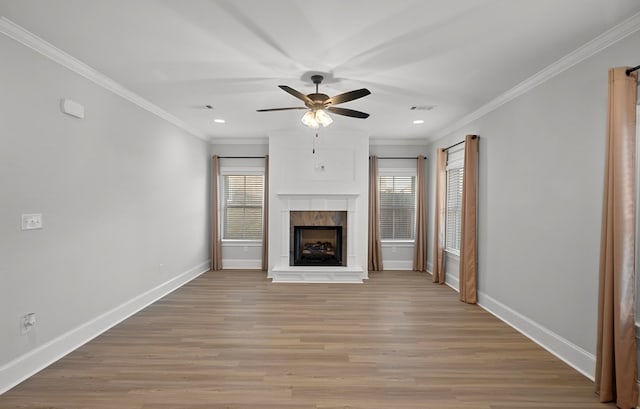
pixel 319 195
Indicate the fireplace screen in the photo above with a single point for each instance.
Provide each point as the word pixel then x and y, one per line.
pixel 317 245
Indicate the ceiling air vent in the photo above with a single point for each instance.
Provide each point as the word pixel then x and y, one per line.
pixel 422 107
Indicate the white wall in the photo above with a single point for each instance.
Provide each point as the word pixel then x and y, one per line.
pixel 541 170
pixel 121 192
pixel 241 255
pixel 398 255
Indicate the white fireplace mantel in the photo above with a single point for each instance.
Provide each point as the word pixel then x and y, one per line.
pixel 324 195
pixel 317 201
pixel 353 272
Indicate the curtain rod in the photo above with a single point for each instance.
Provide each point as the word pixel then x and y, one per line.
pixel 399 157
pixel 630 70
pixel 456 144
pixel 241 157
pixel 262 157
pixel 453 146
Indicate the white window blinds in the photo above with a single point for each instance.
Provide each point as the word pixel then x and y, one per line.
pixel 242 200
pixel 397 207
pixel 453 222
pixel 453 214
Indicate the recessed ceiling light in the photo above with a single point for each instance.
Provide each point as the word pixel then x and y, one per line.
pixel 219 121
pixel 418 121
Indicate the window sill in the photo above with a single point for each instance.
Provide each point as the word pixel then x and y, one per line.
pixel 453 252
pixel 398 243
pixel 241 243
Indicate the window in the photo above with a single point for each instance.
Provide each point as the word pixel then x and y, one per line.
pixel 242 200
pixel 397 207
pixel 453 213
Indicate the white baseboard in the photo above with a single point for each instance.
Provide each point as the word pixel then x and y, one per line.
pixel 573 355
pixel 397 264
pixel 239 264
pixel 452 282
pixel 21 368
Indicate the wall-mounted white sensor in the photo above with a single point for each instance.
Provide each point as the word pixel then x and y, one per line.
pixel 72 108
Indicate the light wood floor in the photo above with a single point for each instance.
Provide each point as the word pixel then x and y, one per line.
pixel 234 340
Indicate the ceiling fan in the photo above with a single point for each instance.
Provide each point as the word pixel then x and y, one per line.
pixel 317 104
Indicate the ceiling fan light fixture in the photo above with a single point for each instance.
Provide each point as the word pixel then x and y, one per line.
pixel 323 118
pixel 313 119
pixel 309 119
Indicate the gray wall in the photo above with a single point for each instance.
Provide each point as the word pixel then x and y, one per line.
pixel 541 170
pixel 121 192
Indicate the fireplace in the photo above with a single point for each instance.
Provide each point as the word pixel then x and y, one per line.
pixel 317 246
pixel 318 238
pixel 319 210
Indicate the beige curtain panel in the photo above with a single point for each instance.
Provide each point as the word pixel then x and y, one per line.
pixel 438 225
pixel 265 217
pixel 216 244
pixel 468 234
pixel 616 371
pixel 374 243
pixel 420 250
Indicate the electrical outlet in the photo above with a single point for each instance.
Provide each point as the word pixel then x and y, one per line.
pixel 31 221
pixel 27 322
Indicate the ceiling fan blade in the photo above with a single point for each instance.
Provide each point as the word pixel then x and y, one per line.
pixel 348 96
pixel 296 94
pixel 348 112
pixel 279 109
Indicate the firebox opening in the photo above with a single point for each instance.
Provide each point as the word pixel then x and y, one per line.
pixel 317 246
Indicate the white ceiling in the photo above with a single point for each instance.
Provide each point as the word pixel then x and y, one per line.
pixel 455 55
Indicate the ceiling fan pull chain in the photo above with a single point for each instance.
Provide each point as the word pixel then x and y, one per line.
pixel 314 143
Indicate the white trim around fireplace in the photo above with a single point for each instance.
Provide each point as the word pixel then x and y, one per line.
pixel 353 272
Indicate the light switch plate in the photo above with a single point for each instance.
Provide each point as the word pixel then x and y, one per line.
pixel 31 221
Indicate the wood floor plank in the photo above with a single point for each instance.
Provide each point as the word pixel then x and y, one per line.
pixel 234 340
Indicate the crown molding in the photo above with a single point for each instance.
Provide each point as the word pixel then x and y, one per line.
pixel 604 40
pixel 27 38
pixel 397 142
pixel 240 141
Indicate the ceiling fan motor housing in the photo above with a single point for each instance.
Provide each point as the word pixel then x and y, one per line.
pixel 317 101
